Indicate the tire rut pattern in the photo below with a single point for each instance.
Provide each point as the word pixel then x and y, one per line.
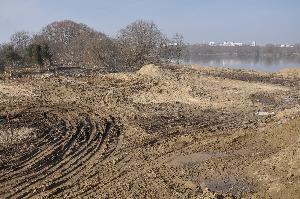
pixel 65 146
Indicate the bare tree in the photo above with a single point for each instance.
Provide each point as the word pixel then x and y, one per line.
pixel 177 47
pixel 20 40
pixel 140 43
pixel 103 53
pixel 67 41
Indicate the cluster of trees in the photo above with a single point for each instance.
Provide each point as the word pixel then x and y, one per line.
pixel 22 51
pixel 75 44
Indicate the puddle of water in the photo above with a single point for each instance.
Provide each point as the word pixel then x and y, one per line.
pixel 224 182
pixel 229 184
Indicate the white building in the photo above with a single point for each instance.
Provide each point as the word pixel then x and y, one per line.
pixel 231 43
pixel 253 44
pixel 238 44
pixel 212 43
pixel 286 46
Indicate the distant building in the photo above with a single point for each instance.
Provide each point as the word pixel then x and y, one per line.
pixel 238 44
pixel 286 46
pixel 212 43
pixel 227 43
pixel 230 43
pixel 170 44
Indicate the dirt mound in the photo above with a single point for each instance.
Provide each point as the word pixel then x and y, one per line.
pixel 65 147
pixel 150 70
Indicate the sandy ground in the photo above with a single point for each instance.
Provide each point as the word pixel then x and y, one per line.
pixel 160 132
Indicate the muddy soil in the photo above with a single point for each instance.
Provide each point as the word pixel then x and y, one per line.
pixel 160 132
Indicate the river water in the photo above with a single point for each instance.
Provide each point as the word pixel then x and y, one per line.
pixel 268 64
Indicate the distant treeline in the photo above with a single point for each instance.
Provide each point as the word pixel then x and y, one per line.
pixel 67 43
pixel 195 51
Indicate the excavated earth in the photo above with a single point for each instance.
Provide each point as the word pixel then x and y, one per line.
pixel 160 132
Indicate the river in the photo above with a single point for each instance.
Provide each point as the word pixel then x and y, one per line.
pixel 268 64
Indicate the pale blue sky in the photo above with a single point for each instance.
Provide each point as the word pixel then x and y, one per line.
pixel 265 21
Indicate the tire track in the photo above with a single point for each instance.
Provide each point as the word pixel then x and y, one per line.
pixel 68 143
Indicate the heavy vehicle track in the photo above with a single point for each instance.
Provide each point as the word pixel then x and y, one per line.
pixel 64 142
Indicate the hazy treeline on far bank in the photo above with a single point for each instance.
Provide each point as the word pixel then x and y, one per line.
pixel 198 51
